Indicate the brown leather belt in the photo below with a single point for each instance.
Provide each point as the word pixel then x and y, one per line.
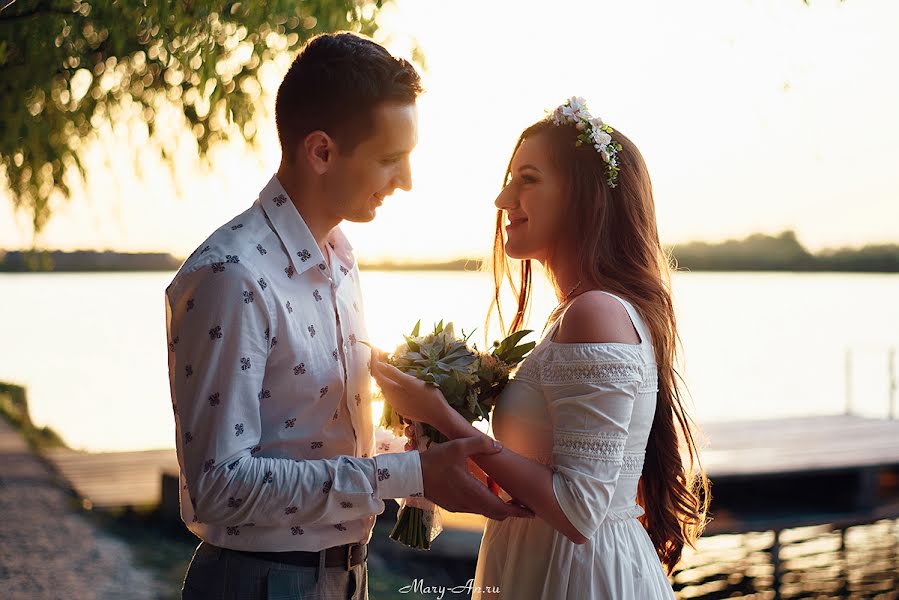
pixel 346 556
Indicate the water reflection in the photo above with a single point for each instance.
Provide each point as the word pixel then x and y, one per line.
pixel 819 562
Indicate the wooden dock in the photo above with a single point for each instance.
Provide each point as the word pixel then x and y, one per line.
pixel 115 479
pixel 799 445
pixel 765 474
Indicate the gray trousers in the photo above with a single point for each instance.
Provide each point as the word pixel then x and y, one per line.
pixel 222 574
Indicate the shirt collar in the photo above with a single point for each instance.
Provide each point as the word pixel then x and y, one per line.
pixel 294 233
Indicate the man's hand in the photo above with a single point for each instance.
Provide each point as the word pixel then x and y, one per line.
pixel 449 484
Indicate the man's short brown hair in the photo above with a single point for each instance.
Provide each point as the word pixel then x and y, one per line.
pixel 334 84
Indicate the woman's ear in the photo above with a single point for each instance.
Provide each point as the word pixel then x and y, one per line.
pixel 319 150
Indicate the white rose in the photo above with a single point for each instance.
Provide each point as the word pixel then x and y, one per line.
pixel 558 117
pixel 577 102
pixel 601 137
pixel 571 113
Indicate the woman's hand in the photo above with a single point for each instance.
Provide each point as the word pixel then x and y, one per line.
pixel 412 398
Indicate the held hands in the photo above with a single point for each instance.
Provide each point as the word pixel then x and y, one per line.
pixel 410 397
pixel 473 468
pixel 449 484
pixel 446 468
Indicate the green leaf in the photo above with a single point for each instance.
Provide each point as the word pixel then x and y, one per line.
pixel 411 343
pixel 518 353
pixel 506 347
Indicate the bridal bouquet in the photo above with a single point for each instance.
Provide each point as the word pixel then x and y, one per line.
pixel 470 381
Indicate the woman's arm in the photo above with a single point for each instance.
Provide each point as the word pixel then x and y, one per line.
pixel 529 482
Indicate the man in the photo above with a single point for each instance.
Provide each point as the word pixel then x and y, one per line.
pixel 270 383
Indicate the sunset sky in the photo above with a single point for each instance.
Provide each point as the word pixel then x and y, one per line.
pixel 754 116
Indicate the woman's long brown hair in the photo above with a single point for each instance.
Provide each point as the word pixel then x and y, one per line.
pixel 617 241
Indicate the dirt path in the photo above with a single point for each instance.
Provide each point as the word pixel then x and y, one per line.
pixel 48 549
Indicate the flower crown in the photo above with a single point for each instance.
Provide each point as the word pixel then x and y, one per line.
pixel 593 132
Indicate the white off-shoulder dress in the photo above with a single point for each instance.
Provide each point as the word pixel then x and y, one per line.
pixel 585 410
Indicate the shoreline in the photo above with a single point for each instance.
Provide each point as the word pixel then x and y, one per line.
pixel 48 543
pixel 151 549
pixel 754 252
pixel 440 268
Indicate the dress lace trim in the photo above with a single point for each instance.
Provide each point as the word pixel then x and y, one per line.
pixel 528 371
pixel 600 446
pixel 591 372
pixel 632 465
pixel 553 373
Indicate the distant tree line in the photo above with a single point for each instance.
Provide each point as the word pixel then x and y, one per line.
pixel 783 252
pixel 86 260
pixel 758 252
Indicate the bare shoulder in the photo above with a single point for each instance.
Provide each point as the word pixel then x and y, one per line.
pixel 595 317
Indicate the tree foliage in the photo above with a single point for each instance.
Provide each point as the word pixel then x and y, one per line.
pixel 68 66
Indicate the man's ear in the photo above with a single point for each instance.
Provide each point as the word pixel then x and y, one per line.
pixel 319 150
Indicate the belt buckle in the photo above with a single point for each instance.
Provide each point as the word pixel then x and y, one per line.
pixel 349 556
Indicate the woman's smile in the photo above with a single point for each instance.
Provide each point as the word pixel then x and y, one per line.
pixel 515 221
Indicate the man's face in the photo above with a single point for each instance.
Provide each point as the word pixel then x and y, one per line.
pixel 359 181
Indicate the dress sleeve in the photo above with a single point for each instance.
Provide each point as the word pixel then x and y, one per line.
pixel 590 399
pixel 219 329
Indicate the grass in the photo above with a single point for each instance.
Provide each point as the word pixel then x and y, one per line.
pixel 14 406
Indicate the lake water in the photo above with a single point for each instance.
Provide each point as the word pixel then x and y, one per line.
pixel 90 347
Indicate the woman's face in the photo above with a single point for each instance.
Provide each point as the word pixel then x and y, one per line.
pixel 534 202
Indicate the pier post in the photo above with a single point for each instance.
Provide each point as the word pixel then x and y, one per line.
pixel 775 561
pixel 844 564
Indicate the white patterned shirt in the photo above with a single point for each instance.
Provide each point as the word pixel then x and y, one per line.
pixel 271 388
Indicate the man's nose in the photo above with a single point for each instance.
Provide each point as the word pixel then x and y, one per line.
pixel 404 177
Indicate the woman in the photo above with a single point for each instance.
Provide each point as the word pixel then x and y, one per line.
pixel 590 422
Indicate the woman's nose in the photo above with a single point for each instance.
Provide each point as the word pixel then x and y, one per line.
pixel 505 199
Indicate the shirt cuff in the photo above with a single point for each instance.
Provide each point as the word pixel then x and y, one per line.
pixel 398 475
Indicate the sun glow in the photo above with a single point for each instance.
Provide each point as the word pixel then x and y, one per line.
pixel 735 107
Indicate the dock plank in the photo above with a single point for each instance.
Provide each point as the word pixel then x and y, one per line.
pixel 797 445
pixel 115 479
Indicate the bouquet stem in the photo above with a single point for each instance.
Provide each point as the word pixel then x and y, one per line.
pixel 417 521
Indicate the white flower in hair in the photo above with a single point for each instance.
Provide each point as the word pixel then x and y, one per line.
pixel 571 114
pixel 601 138
pixel 578 102
pixel 593 132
